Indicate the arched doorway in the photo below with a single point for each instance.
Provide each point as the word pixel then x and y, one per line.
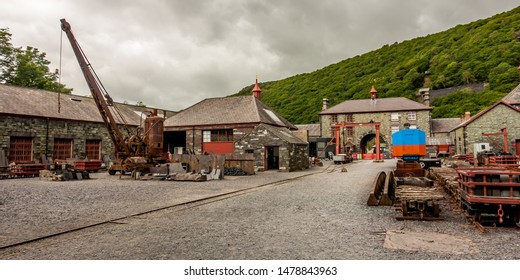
pixel 367 145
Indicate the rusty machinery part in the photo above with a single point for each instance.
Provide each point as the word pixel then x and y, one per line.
pixel 389 191
pixel 428 210
pixel 409 169
pixel 378 189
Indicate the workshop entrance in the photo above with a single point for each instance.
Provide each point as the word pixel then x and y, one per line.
pixel 272 157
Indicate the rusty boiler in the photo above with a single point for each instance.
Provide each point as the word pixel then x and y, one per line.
pixel 154 138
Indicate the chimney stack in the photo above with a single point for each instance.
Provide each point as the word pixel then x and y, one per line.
pixel 325 104
pixel 467 116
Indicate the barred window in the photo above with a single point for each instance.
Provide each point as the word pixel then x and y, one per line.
pixel 62 148
pixel 92 149
pixel 20 149
pixel 412 116
pixel 224 135
pixel 349 131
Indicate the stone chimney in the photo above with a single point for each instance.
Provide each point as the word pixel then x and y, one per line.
pixel 325 104
pixel 427 81
pixel 424 96
pixel 256 90
pixel 467 116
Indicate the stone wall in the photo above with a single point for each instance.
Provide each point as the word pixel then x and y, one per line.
pixel 298 157
pixel 422 122
pixel 492 121
pixel 292 156
pixel 44 131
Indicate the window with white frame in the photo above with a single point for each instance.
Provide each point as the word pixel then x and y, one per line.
pixel 206 136
pixel 412 116
pixel 413 126
pixel 395 128
pixel 394 117
pixel 220 135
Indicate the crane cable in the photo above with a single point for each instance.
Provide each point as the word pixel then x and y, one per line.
pixel 59 71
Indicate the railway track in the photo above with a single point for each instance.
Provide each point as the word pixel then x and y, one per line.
pixel 176 207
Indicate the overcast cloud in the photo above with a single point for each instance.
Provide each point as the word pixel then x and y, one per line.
pixel 173 53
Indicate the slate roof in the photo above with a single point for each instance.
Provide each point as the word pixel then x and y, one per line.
pixel 284 134
pixel 314 129
pixel 41 103
pixel 513 97
pixel 227 110
pixel 392 104
pixel 501 102
pixel 444 125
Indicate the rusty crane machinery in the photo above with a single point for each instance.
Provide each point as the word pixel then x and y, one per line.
pixel 135 150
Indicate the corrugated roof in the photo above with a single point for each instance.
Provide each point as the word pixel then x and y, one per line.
pixel 513 97
pixel 444 125
pixel 41 103
pixel 227 110
pixel 314 129
pixel 391 104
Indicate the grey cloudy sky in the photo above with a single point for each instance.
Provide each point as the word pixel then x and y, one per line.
pixel 173 53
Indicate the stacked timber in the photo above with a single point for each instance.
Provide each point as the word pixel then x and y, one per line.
pixel 447 178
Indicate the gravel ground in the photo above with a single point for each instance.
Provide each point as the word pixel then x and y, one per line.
pixel 319 216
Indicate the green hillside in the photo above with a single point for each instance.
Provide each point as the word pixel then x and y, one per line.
pixel 486 51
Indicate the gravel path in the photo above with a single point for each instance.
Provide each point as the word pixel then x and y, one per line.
pixel 320 216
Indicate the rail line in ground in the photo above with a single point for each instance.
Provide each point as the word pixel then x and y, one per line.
pixel 178 206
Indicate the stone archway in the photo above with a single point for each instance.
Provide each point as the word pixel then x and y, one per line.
pixel 367 144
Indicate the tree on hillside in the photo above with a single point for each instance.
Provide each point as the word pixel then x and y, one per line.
pixel 26 67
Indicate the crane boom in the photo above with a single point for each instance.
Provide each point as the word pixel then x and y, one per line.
pixel 124 148
pixel 133 149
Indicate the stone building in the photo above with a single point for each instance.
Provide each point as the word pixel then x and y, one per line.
pixel 394 114
pixel 491 120
pixel 513 98
pixel 32 127
pixel 314 139
pixel 214 125
pixel 440 144
pixel 275 147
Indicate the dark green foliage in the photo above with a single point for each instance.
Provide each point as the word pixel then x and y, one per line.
pixel 457 103
pixel 482 51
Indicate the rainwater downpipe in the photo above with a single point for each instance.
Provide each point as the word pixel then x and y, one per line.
pixel 193 140
pixel 47 139
pixel 464 140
